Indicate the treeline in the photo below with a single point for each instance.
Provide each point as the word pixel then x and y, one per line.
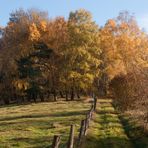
pixel 42 57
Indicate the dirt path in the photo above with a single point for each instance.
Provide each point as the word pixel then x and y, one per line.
pixel 106 130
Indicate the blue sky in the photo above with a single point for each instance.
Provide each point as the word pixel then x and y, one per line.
pixel 102 10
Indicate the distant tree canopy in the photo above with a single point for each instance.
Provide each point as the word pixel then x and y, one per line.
pixel 41 57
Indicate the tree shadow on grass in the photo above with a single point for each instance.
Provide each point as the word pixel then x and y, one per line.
pixel 40 142
pixel 107 112
pixel 109 142
pixel 21 125
pixel 58 114
pixel 18 104
pixel 59 101
pixel 134 132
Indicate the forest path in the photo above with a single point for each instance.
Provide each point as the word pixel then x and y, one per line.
pixel 106 129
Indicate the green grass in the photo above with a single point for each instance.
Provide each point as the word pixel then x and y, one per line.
pixel 106 130
pixel 34 125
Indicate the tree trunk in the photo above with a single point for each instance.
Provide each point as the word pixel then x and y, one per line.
pixel 48 94
pixel 55 95
pixel 72 94
pixel 29 97
pixel 103 85
pixel 61 94
pixel 66 95
pixel 78 94
pixel 22 99
pixel 41 97
pixel 34 97
pixel 6 101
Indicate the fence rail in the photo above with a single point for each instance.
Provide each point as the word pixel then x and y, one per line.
pixel 83 130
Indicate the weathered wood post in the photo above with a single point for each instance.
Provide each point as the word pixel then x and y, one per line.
pixel 86 126
pixel 95 103
pixel 56 141
pixel 81 133
pixel 71 137
pixel 91 111
pixel 88 118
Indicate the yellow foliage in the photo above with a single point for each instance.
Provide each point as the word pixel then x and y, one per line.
pixel 89 77
pixel 21 84
pixel 34 33
pixel 74 74
pixel 124 25
pixel 43 25
pixel 111 23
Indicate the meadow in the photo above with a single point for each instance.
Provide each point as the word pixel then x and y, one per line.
pixel 34 125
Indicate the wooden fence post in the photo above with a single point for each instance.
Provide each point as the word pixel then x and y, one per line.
pixel 91 112
pixel 92 107
pixel 71 137
pixel 88 118
pixel 56 141
pixel 95 103
pixel 86 126
pixel 81 133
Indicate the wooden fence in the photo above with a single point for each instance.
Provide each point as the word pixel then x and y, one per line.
pixel 82 133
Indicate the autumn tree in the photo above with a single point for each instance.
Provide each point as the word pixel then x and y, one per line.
pixel 17 42
pixel 125 58
pixel 40 57
pixel 85 51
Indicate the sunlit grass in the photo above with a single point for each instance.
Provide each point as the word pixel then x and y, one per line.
pixel 106 130
pixel 34 125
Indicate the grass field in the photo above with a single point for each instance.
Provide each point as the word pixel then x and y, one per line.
pixel 106 130
pixel 109 129
pixel 34 125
